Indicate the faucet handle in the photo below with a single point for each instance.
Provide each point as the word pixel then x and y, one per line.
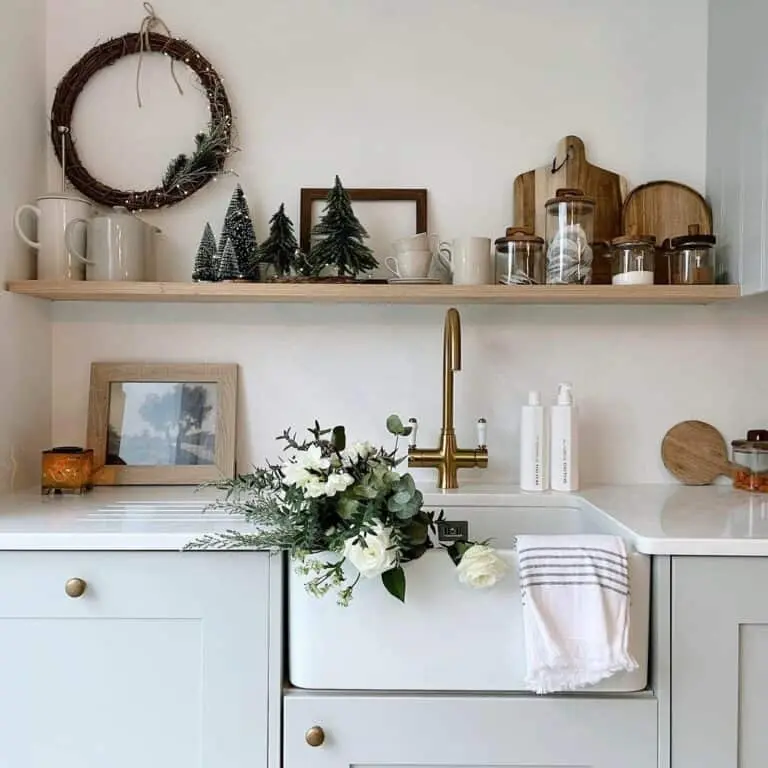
pixel 482 433
pixel 414 425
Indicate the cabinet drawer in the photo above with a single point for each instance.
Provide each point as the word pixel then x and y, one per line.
pixel 120 584
pixel 469 731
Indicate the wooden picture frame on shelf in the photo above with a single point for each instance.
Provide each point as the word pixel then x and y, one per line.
pixel 312 195
pixel 162 424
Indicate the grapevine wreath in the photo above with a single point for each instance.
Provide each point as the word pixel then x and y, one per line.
pixel 185 174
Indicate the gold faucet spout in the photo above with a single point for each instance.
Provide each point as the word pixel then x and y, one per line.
pixel 451 363
pixel 447 458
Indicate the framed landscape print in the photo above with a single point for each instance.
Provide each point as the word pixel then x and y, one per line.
pixel 162 424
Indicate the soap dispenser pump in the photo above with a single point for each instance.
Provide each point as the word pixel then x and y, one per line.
pixel 564 448
pixel 534 458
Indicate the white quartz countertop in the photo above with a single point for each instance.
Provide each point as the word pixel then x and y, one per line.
pixel 659 519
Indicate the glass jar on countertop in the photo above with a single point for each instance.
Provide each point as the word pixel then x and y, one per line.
pixel 519 257
pixel 633 259
pixel 750 458
pixel 569 230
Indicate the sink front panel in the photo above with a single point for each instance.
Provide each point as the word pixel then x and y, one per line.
pixel 446 637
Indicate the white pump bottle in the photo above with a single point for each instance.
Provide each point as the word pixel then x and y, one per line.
pixel 564 445
pixel 534 461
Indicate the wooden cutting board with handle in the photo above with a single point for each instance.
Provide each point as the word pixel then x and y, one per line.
pixel 571 169
pixel 665 209
pixel 695 453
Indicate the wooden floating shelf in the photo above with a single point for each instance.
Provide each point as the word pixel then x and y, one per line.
pixel 374 293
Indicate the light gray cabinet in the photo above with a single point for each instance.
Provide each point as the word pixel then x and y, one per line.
pixel 469 731
pixel 719 662
pixel 155 659
pixel 737 138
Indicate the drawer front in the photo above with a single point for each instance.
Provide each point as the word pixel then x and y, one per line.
pixel 121 584
pixel 471 731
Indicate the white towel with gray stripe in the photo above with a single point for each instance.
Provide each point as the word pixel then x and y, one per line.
pixel 576 593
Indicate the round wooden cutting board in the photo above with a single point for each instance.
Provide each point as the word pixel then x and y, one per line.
pixel 695 453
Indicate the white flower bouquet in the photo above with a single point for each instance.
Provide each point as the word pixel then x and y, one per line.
pixel 325 497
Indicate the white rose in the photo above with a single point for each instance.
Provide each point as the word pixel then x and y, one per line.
pixel 376 556
pixel 312 458
pixel 337 483
pixel 481 567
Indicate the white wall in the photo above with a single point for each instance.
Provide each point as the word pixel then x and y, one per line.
pixel 458 97
pixel 25 346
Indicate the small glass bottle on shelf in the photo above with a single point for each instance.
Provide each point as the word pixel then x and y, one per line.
pixel 633 258
pixel 519 258
pixel 570 216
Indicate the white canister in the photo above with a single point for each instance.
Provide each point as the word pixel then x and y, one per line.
pixel 53 213
pixel 468 259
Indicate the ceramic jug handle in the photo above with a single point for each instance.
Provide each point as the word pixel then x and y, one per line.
pixel 447 259
pixel 17 223
pixel 391 264
pixel 68 234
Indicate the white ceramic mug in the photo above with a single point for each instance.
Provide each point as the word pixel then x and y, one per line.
pixel 410 264
pixel 420 242
pixel 118 245
pixel 53 213
pixel 468 259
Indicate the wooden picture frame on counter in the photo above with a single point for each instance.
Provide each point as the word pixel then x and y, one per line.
pixel 162 424
pixel 312 195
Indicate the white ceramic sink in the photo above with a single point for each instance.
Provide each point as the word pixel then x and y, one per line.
pixel 447 636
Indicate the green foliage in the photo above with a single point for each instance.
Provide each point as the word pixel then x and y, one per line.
pixel 211 151
pixel 205 266
pixel 323 496
pixel 394 581
pixel 395 427
pixel 279 249
pixel 339 237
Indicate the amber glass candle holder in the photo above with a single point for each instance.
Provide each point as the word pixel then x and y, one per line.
pixel 67 470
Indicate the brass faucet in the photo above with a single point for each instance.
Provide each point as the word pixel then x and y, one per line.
pixel 447 458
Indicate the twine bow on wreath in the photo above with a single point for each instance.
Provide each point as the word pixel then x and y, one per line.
pixel 148 23
pixel 185 174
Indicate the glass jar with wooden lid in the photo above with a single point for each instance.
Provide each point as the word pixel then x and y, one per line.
pixel 692 258
pixel 569 230
pixel 519 257
pixel 633 258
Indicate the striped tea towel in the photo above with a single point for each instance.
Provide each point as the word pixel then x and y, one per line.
pixel 575 593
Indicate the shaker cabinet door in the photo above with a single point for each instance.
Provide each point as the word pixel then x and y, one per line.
pixel 468 731
pixel 126 659
pixel 719 662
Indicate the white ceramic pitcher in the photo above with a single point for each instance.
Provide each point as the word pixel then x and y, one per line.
pixel 53 214
pixel 119 245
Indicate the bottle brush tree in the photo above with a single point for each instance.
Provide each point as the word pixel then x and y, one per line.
pixel 238 229
pixel 205 260
pixel 338 237
pixel 228 269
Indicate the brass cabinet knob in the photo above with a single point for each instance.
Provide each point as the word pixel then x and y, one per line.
pixel 315 736
pixel 75 587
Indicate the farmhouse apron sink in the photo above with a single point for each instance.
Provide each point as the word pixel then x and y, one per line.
pixel 447 636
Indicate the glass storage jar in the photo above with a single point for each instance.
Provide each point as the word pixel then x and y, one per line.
pixel 692 259
pixel 519 258
pixel 750 458
pixel 632 259
pixel 570 217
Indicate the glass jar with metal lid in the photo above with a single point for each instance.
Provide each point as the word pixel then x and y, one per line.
pixel 632 257
pixel 750 458
pixel 519 257
pixel 692 258
pixel 569 229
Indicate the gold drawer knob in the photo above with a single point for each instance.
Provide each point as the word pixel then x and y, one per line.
pixel 75 587
pixel 315 736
